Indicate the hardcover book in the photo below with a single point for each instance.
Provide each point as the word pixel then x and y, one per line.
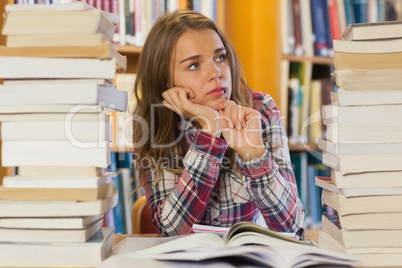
pixel 89 254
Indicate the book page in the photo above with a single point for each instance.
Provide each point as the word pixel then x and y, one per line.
pixel 184 242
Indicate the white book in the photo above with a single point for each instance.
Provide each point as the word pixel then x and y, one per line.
pixel 374 46
pixel 373 115
pixel 359 148
pixel 78 115
pixel 362 190
pixel 357 163
pixel 99 81
pixel 31 235
pixel 89 254
pixel 65 6
pixel 67 109
pixel 369 97
pixel 22 22
pixel 84 131
pixel 362 204
pixel 55 153
pixel 338 133
pixel 369 80
pixel 33 40
pixel 361 238
pixel 391 179
pixel 60 171
pixel 12 209
pixel 18 181
pixel 49 223
pixel 370 257
pixel 63 93
pixel 41 67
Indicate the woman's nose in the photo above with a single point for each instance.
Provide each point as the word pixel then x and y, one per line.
pixel 215 74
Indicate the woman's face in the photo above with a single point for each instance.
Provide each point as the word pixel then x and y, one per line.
pixel 200 63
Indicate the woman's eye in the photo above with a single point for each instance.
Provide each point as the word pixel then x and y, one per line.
pixel 193 66
pixel 221 58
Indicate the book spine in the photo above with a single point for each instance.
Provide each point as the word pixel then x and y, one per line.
pixel 318 21
pixel 117 210
pixel 297 28
pixel 361 10
pixel 328 30
pixel 349 12
pixel 334 19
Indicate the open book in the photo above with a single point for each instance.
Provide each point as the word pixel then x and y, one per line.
pixel 244 242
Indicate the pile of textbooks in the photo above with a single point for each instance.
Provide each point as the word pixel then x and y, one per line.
pixel 364 146
pixel 58 69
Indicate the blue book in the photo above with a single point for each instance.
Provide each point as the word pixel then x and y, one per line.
pixel 299 166
pixel 319 28
pixel 313 197
pixel 117 210
pixel 361 10
pixel 328 30
pixel 381 10
pixel 349 12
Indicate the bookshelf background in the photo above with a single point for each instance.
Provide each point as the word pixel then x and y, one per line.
pixel 259 31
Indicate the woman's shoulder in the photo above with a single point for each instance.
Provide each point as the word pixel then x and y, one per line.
pixel 263 101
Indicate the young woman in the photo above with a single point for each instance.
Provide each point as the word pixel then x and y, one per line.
pixel 209 149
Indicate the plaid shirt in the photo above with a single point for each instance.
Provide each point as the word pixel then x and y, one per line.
pixel 209 193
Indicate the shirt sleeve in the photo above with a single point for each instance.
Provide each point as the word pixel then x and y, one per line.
pixel 270 179
pixel 178 202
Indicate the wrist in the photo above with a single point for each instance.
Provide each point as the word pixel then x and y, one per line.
pixel 251 153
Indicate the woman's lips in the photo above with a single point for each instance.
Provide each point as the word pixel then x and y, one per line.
pixel 217 91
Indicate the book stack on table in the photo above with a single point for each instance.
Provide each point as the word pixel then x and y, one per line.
pixel 58 69
pixel 364 146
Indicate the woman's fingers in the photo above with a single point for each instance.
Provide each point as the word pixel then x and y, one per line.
pixel 177 97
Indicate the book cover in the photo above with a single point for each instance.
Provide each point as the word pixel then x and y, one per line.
pixel 360 238
pixel 49 223
pixel 56 194
pixel 57 208
pixel 64 93
pixel 31 40
pixel 372 31
pixel 30 235
pixel 364 204
pixel 376 257
pixel 329 184
pixel 54 153
pixel 107 50
pixel 27 67
pixel 320 31
pixel 370 115
pixel 90 253
pixel 51 22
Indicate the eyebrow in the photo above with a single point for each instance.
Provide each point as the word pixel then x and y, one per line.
pixel 218 50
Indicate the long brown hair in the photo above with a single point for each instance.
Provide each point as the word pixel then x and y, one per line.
pixel 154 77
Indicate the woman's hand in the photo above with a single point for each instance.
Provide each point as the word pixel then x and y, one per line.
pixel 241 128
pixel 179 100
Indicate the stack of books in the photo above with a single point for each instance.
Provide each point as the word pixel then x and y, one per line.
pixel 58 69
pixel 364 146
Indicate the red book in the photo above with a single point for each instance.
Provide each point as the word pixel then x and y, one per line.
pixel 334 19
pixel 297 28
